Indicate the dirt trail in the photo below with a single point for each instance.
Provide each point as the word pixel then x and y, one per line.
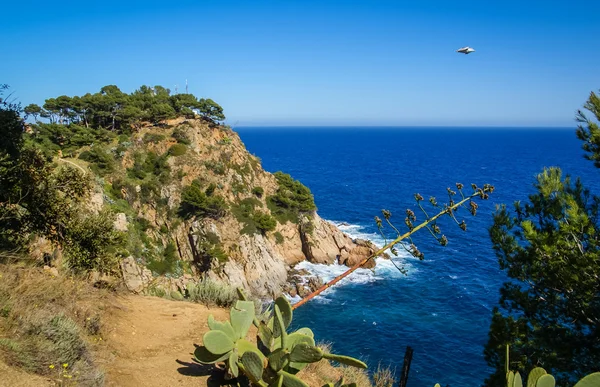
pixel 149 341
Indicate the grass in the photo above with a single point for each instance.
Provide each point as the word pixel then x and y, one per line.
pixel 323 371
pixel 209 292
pixel 384 377
pixel 44 327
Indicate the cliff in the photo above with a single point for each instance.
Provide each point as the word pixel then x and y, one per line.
pixel 193 202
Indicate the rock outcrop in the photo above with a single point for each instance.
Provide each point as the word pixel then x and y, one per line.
pixel 224 247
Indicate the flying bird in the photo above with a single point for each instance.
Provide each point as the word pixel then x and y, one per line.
pixel 465 50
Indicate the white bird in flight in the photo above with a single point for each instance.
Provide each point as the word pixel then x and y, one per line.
pixel 465 50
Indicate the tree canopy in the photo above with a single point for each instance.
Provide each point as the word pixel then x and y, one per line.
pixel 112 109
pixel 550 248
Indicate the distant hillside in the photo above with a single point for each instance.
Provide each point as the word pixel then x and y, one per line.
pixel 188 199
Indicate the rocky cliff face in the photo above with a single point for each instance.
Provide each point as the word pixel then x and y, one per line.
pixel 229 247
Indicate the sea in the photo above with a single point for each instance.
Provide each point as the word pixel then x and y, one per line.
pixel 441 307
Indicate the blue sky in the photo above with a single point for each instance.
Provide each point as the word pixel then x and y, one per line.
pixel 318 62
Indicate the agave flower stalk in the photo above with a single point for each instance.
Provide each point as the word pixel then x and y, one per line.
pixel 448 210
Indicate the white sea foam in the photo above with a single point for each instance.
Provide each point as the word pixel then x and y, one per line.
pixel 384 268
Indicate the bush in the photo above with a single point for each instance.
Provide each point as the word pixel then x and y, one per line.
pixel 181 136
pixel 153 138
pixel 177 150
pixel 290 199
pixel 209 292
pixel 264 222
pixel 258 191
pixel 278 238
pixel 91 242
pixel 169 262
pixel 101 162
pixel 216 166
pixel 196 203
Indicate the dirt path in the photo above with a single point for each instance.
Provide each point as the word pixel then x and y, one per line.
pixel 149 341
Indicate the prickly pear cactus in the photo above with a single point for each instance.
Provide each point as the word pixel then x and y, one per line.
pixel 277 357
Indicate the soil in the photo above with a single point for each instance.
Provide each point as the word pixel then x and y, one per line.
pixel 149 341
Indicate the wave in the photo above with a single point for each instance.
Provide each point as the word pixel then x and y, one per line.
pixel 384 268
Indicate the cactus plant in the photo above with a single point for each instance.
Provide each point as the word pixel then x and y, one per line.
pixel 539 378
pixel 278 355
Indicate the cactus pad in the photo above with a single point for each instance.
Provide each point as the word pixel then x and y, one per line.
pixel 303 353
pixel 534 375
pixel 253 366
pixel 204 356
pixel 242 316
pixel 290 380
pixel 224 327
pixel 217 342
pixel 278 359
pixel 517 382
pixel 591 380
pixel 545 381
pixel 233 366
pixel 286 310
pixel 347 360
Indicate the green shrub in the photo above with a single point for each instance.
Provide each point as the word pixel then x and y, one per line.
pixel 278 238
pixel 264 222
pixel 168 263
pixel 258 191
pixel 196 203
pixel 101 162
pixel 180 135
pixel 209 292
pixel 290 199
pixel 177 150
pixel 91 243
pixel 216 166
pixel 153 138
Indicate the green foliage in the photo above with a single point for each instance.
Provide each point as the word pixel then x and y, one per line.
pixel 254 221
pixel 258 191
pixel 196 203
pixel 264 222
pixel 180 135
pixel 538 377
pixel 150 163
pixel 177 150
pixel 550 249
pixel 153 138
pixel 101 162
pixel 169 262
pixel 209 293
pixel 277 357
pixel 278 238
pixel 290 199
pixel 91 243
pixel 588 130
pixel 216 166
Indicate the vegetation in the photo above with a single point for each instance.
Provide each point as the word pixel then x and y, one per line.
pixel 290 200
pixel 211 293
pixel 258 191
pixel 114 110
pixel 42 328
pixel 37 198
pixel 177 150
pixel 277 357
pixel 550 248
pixel 198 203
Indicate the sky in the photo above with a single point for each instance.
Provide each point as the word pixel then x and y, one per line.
pixel 318 63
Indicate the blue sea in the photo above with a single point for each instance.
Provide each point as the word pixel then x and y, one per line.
pixel 442 306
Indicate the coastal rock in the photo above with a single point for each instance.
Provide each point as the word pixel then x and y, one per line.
pixel 121 222
pixel 135 277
